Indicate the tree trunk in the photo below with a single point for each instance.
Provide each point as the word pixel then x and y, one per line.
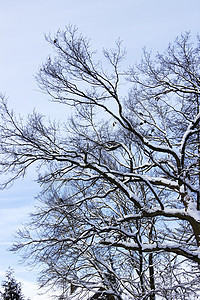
pixel 151 266
pixel 151 277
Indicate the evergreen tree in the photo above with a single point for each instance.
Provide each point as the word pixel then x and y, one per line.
pixel 12 288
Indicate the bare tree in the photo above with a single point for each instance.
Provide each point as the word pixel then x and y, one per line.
pixel 119 209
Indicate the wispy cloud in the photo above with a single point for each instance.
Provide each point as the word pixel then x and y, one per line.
pixel 10 220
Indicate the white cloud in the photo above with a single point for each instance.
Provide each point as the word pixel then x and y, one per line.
pixel 31 290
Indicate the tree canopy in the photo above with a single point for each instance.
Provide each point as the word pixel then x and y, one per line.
pixel 119 206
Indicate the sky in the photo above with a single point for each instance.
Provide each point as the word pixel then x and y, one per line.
pixel 23 24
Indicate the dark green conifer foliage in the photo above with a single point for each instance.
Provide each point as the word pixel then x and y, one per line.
pixel 11 288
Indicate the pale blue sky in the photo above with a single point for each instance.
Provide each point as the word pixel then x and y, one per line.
pixel 23 23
